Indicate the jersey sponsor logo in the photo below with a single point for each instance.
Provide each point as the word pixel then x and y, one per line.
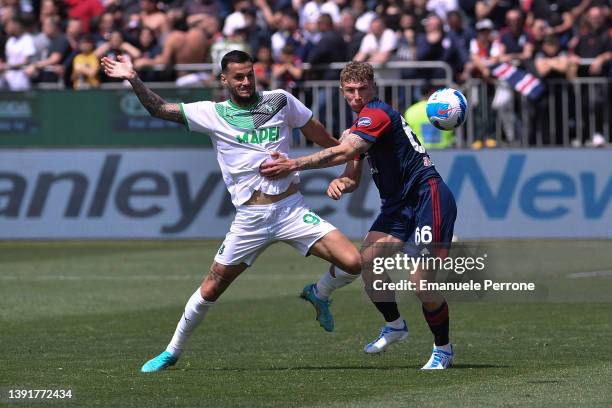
pixel 259 136
pixel 427 161
pixel 364 122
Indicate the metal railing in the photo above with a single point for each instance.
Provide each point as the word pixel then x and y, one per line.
pixel 569 113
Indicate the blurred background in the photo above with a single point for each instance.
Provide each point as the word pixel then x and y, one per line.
pixel 80 157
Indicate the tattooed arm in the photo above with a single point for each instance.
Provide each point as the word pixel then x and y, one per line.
pixel 154 103
pixel 351 146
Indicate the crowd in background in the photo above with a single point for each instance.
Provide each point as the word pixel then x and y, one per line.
pixel 51 40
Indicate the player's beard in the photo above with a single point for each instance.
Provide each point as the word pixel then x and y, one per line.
pixel 242 100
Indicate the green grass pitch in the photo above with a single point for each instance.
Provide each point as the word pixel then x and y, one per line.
pixel 86 316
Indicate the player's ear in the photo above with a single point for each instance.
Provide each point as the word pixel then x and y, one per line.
pixel 223 78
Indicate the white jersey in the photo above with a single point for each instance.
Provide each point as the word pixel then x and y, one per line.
pixel 243 138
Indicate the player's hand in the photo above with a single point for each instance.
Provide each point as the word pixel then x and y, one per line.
pixel 335 189
pixel 278 167
pixel 122 68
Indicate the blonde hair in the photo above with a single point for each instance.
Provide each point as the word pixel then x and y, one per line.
pixel 356 71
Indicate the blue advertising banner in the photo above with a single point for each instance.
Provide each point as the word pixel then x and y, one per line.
pixel 179 193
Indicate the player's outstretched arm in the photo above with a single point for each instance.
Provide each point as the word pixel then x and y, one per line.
pixel 316 133
pixel 347 182
pixel 155 104
pixel 351 146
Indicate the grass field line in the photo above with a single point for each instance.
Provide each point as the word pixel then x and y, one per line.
pixel 592 274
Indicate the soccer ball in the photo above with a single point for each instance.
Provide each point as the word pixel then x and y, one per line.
pixel 446 108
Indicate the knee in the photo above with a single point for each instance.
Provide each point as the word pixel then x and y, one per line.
pixel 352 263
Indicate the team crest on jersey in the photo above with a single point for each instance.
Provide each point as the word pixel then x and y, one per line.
pixel 364 121
pixel 427 161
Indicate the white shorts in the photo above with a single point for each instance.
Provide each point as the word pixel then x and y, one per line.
pixel 258 226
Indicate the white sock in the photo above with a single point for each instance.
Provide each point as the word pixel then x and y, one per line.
pixel 327 284
pixel 195 310
pixel 397 323
pixel 446 348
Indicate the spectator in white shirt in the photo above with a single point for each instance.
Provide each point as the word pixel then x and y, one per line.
pixel 377 46
pixel 19 51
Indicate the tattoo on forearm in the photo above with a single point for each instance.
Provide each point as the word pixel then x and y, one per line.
pixel 320 159
pixel 155 104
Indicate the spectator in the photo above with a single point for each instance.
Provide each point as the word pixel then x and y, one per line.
pixel 150 49
pixel 116 46
pixel 330 48
pixel 84 10
pixel 461 33
pixel 50 67
pixel 406 45
pixel 154 19
pixel 235 41
pixel 377 46
pixel 287 72
pixel 85 65
pixel 288 34
pixel 484 51
pixel 552 62
pixel 263 67
pixel 495 10
pixel 429 136
pixel 53 9
pixel 435 45
pixel 256 35
pixel 514 43
pixel 557 13
pixel 19 51
pixel 351 36
pixel 391 12
pixel 442 7
pixel 237 19
pixel 189 47
pixel 419 12
pixel 594 42
pixel 364 16
pixel 106 25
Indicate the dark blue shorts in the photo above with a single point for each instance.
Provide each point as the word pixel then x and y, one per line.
pixel 426 220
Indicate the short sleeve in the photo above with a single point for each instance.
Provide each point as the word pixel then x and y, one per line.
pixel 371 124
pixel 198 116
pixel 298 115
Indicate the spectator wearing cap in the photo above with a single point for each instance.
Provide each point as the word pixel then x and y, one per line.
pixel 593 42
pixel 351 36
pixel 19 52
pixel 378 45
pixel 484 50
pixel 495 10
pixel 515 44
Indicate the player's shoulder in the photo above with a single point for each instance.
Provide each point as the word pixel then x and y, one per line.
pixel 378 109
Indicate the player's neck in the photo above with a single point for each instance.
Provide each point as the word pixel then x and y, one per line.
pixel 244 103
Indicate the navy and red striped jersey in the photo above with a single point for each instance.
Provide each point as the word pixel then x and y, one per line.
pixel 398 162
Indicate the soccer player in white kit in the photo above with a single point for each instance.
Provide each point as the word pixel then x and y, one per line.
pixel 244 131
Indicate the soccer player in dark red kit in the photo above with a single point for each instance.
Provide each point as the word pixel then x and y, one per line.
pixel 418 210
